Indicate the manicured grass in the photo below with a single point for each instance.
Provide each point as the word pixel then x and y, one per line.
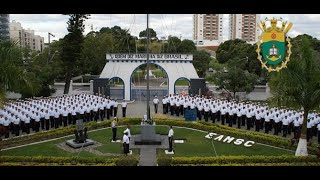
pixel 44 149
pixel 197 145
pixel 50 148
pixel 105 139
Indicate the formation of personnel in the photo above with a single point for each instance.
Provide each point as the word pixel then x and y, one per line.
pixel 55 112
pixel 249 114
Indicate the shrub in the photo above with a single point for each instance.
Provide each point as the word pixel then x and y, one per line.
pixel 164 160
pixel 58 160
pixel 131 160
pixel 244 160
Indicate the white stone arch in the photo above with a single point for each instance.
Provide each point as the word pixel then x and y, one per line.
pixel 123 65
pixel 155 63
pixel 124 85
pixel 174 88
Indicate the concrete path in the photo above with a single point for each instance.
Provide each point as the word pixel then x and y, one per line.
pixel 148 153
pixel 148 156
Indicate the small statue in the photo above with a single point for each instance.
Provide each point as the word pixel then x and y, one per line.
pixel 81 136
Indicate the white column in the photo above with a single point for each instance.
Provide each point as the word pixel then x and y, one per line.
pixel 171 84
pixel 127 92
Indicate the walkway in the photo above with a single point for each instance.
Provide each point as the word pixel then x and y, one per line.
pixel 148 153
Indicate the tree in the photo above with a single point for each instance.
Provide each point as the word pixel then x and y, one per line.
pixel 201 61
pixel 153 34
pixel 13 75
pixel 45 73
pixel 105 30
pixel 172 45
pixel 299 84
pixel 122 41
pixel 72 46
pixel 186 46
pixel 215 65
pixel 239 49
pixel 94 52
pixel 233 78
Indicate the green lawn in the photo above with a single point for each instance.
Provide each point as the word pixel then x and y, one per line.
pixel 50 148
pixel 196 145
pixel 44 149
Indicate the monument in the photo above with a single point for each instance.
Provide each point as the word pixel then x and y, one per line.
pixel 148 133
pixel 81 135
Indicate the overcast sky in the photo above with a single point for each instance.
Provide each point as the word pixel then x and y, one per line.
pixel 164 24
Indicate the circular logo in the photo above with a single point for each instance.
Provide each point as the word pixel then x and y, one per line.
pixel 273 35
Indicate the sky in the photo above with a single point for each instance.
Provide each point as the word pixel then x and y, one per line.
pixel 180 25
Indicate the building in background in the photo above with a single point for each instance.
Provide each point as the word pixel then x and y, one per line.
pixel 4 27
pixel 244 26
pixel 207 29
pixel 26 38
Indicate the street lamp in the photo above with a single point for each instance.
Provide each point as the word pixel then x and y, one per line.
pixel 49 34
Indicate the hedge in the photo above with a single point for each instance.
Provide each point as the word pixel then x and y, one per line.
pixel 259 164
pixel 50 164
pixel 205 126
pixel 47 160
pixel 237 160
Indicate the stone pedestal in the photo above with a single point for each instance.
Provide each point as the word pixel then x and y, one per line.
pixel 75 145
pixel 148 132
pixel 148 136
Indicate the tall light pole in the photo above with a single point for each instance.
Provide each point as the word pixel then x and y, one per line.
pixel 49 34
pixel 148 91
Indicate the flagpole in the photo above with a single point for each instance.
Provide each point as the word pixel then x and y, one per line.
pixel 148 68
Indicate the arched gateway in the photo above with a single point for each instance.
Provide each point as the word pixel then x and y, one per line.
pixel 123 65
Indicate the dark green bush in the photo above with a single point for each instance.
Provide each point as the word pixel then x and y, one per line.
pixel 238 160
pixel 130 160
pixel 164 160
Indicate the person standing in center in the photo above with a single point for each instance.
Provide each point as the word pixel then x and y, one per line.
pixel 114 129
pixel 155 103
pixel 170 137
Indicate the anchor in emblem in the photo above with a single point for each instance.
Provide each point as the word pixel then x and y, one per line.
pixel 273 53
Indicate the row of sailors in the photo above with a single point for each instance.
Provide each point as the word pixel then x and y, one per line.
pixel 52 112
pixel 241 113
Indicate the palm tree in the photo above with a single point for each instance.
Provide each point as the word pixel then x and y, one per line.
pixel 13 76
pixel 299 85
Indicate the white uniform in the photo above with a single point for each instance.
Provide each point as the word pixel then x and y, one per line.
pixel 155 101
pixel 124 104
pixel 129 133
pixel 170 134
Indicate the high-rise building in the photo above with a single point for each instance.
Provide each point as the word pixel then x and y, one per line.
pixel 207 29
pixel 26 38
pixel 244 26
pixel 4 27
